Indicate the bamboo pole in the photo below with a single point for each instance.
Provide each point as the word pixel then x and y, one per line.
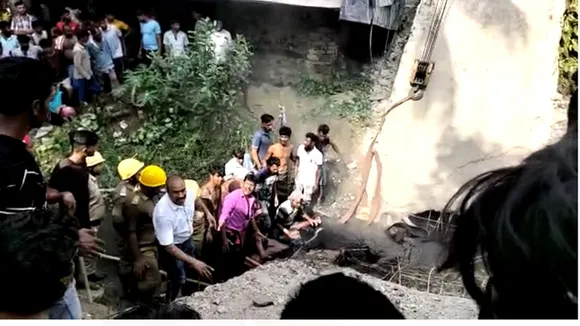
pixel 164 273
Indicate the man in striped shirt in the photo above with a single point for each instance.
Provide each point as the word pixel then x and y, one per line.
pixel 22 21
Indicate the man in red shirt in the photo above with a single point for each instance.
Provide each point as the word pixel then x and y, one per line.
pixel 66 20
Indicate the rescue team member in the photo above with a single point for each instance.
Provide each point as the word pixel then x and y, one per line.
pixel 128 170
pixel 139 269
pixel 97 209
pixel 199 230
pixel 71 174
pixel 173 220
pixel 211 196
pixel 237 215
pixel 283 150
pixel 22 187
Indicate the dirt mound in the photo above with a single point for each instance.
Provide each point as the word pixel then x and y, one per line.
pixel 278 280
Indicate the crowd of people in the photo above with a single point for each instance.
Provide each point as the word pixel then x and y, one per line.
pixel 174 232
pixel 90 55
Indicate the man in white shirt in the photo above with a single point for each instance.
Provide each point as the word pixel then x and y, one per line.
pixel 308 163
pixel 173 223
pixel 234 167
pixel 174 40
pixel 114 39
pixel 221 40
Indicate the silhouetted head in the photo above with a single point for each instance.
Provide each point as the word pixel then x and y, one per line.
pixel 158 311
pixel 26 84
pixel 523 222
pixel 338 296
pixel 36 258
pixel 216 175
pixel 83 142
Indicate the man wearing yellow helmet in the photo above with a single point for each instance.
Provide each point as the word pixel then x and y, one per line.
pixel 128 170
pixel 139 270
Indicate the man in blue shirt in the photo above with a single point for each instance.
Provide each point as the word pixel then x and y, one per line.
pixel 8 40
pixel 102 56
pixel 150 36
pixel 262 140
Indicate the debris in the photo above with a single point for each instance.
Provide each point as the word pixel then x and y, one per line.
pixel 263 301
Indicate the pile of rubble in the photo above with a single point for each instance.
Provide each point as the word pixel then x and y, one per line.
pixel 262 293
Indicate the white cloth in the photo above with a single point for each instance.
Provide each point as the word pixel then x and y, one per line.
pixel 36 38
pixel 233 169
pixel 306 191
pixel 221 41
pixel 173 223
pixel 310 162
pixel 176 42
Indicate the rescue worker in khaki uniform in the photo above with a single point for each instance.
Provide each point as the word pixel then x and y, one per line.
pixel 128 170
pixel 140 233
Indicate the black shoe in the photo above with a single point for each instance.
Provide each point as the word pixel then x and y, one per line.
pixel 96 277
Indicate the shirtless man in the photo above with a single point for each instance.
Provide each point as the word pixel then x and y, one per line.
pixel 66 44
pixel 283 150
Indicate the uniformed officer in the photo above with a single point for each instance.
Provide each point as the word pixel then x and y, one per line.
pixel 140 233
pixel 128 171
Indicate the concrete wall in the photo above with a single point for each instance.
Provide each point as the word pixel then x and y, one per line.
pixel 488 104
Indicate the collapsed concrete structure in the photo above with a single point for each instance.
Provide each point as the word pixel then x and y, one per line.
pixel 277 281
pixel 488 103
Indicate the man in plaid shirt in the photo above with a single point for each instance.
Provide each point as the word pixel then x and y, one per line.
pixel 22 21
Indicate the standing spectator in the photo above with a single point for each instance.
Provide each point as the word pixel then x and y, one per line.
pixel 39 32
pixel 119 24
pixel 150 36
pixel 83 77
pixel 221 39
pixel 65 44
pixel 116 43
pixel 308 167
pixel 5 15
pixel 66 20
pixel 26 48
pixel 104 69
pixel 174 40
pixel 7 39
pixel 22 21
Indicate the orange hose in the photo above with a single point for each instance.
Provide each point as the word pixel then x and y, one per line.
pixel 414 94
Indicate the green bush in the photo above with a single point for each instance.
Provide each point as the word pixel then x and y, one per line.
pixel 568 58
pixel 190 117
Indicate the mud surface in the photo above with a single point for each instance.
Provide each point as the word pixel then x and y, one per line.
pixel 277 281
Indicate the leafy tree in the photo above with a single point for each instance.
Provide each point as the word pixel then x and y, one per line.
pixel 568 59
pixel 190 113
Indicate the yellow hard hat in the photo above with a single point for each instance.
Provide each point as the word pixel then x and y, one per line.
pixel 129 167
pixel 192 185
pixel 96 159
pixel 152 176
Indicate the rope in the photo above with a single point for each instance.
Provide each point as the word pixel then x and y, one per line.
pixel 415 94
